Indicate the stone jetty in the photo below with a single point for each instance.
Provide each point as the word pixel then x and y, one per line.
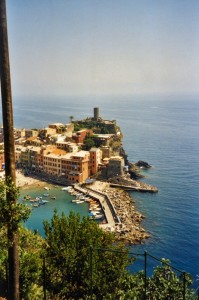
pixel 129 230
pixel 119 210
pixel 127 183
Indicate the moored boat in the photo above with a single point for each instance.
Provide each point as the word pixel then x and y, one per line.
pixel 66 188
pixel 79 201
pixel 42 202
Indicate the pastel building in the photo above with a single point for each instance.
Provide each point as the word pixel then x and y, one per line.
pixel 52 162
pixel 95 160
pixel 75 167
pixel 49 131
pixel 67 146
pixel 60 128
pixel 31 133
pixel 25 158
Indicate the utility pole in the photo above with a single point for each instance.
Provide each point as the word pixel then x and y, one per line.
pixel 10 174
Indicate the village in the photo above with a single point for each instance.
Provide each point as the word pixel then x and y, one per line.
pixel 65 153
pixel 89 156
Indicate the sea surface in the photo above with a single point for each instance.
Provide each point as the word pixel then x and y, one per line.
pixel 162 130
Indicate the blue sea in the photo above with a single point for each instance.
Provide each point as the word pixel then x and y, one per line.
pixel 162 130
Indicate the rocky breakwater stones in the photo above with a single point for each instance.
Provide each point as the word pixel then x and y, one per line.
pixel 129 230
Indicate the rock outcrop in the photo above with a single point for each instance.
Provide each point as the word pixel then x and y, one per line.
pixel 143 164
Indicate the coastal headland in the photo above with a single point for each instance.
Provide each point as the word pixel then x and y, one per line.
pixel 88 155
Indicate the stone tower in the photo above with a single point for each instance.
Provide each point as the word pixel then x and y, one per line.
pixel 96 113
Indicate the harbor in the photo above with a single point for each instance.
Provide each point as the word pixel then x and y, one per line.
pixel 112 208
pixel 119 212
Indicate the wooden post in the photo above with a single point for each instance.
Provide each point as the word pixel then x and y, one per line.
pixel 13 261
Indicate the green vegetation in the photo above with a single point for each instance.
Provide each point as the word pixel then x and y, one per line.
pixel 68 260
pixel 11 213
pixel 82 260
pixel 98 127
pixel 30 259
pixel 89 143
pixel 71 118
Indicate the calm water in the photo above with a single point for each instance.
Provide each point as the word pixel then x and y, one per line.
pixel 62 203
pixel 161 130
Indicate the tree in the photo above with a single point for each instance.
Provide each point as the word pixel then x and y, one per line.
pixel 68 259
pixel 69 263
pixel 9 150
pixel 164 284
pixel 71 118
pixel 30 257
pixel 89 143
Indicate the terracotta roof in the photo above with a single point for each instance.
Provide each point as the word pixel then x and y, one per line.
pixel 58 152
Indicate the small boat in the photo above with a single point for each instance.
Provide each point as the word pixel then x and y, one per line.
pixel 79 201
pixel 45 195
pixel 78 194
pixel 66 188
pixel 36 205
pixel 98 209
pixel 42 202
pixel 46 188
pixel 53 197
pixel 98 217
pixel 35 199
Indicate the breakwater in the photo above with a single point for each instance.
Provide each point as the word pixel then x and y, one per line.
pixel 121 216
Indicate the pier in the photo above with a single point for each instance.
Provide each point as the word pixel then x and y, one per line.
pixel 117 206
pixel 105 202
pixel 145 188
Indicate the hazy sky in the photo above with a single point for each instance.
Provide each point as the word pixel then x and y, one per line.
pixel 103 46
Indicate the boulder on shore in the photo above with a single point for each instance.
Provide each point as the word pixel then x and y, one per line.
pixel 142 164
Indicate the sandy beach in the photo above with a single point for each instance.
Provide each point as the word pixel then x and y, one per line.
pixel 23 181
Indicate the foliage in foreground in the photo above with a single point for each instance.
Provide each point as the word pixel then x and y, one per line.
pixel 30 258
pixel 12 213
pixel 69 259
pixel 68 265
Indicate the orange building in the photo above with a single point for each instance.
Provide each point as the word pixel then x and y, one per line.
pixel 52 162
pixel 95 160
pixel 80 135
pixel 75 167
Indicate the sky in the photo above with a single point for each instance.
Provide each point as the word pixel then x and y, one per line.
pixel 94 47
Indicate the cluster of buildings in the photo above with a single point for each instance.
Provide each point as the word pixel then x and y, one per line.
pixel 58 151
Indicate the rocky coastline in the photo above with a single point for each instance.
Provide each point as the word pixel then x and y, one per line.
pixel 129 229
